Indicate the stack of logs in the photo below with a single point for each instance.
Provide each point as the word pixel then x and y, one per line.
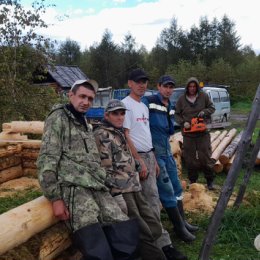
pixel 224 145
pixel 18 154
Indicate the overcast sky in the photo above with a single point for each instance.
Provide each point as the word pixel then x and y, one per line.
pixel 86 20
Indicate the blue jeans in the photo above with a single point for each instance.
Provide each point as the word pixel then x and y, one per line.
pixel 168 183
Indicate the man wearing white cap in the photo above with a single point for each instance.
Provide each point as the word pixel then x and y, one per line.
pixel 72 179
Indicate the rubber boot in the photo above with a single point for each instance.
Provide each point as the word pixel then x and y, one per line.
pixel 92 243
pixel 210 185
pixel 179 226
pixel 172 253
pixel 123 238
pixel 191 228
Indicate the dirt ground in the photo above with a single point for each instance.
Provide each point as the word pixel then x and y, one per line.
pixel 11 187
pixel 18 185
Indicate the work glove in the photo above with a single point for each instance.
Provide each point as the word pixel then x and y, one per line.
pixel 201 114
pixel 186 125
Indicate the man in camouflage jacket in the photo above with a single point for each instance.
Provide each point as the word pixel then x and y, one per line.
pixel 71 177
pixel 123 178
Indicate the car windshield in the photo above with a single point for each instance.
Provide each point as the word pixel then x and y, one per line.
pixel 176 94
pixel 102 98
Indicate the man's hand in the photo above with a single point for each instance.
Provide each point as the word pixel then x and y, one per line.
pixel 60 211
pixel 186 125
pixel 143 173
pixel 201 114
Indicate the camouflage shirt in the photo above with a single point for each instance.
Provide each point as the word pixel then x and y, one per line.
pixel 68 155
pixel 117 159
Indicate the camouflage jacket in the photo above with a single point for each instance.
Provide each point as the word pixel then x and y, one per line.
pixel 68 155
pixel 117 159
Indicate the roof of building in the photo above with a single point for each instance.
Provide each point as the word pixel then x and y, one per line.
pixel 65 76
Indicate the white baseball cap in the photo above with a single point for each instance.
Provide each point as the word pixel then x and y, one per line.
pixel 92 82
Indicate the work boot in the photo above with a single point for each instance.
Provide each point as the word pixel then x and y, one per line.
pixel 210 185
pixel 179 226
pixel 172 253
pixel 92 243
pixel 123 238
pixel 190 227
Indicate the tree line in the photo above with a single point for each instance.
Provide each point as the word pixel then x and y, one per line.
pixel 211 51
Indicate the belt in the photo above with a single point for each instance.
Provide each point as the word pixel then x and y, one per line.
pixel 151 150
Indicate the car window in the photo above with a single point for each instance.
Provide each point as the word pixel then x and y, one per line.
pixel 175 95
pixel 223 96
pixel 214 96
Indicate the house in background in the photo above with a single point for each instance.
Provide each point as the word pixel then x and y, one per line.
pixel 59 77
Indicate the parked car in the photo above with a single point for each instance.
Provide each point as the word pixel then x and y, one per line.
pixel 96 112
pixel 218 95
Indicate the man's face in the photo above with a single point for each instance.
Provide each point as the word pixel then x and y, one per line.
pixel 82 100
pixel 116 118
pixel 138 88
pixel 166 90
pixel 192 89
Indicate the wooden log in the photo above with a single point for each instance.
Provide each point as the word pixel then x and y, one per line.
pixel 12 136
pixel 30 172
pixel 214 135
pixel 32 144
pixel 21 223
pixel 11 173
pixel 217 141
pixel 9 161
pixel 230 149
pixel 30 153
pixel 32 127
pixel 25 143
pixel 176 151
pixel 228 165
pixel 11 150
pixel 29 164
pixel 178 137
pixel 224 143
pixel 218 167
pixel 55 241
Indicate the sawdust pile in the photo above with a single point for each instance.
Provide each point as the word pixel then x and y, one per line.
pixel 196 199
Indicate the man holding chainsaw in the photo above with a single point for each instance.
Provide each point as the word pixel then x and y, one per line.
pixel 191 108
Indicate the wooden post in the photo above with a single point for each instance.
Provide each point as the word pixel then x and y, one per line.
pixel 230 180
pixel 248 173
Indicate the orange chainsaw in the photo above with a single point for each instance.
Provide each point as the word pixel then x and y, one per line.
pixel 197 125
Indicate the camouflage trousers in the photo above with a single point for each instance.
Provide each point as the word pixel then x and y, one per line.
pixel 88 207
pixel 150 192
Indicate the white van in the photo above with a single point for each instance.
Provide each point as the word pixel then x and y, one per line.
pixel 218 95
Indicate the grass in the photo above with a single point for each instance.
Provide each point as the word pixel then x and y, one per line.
pixel 7 203
pixel 238 229
pixel 241 107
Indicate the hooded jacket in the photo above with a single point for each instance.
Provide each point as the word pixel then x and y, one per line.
pixel 186 110
pixel 117 159
pixel 68 155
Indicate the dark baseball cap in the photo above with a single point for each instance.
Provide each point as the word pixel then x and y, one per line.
pixel 137 74
pixel 115 104
pixel 166 79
